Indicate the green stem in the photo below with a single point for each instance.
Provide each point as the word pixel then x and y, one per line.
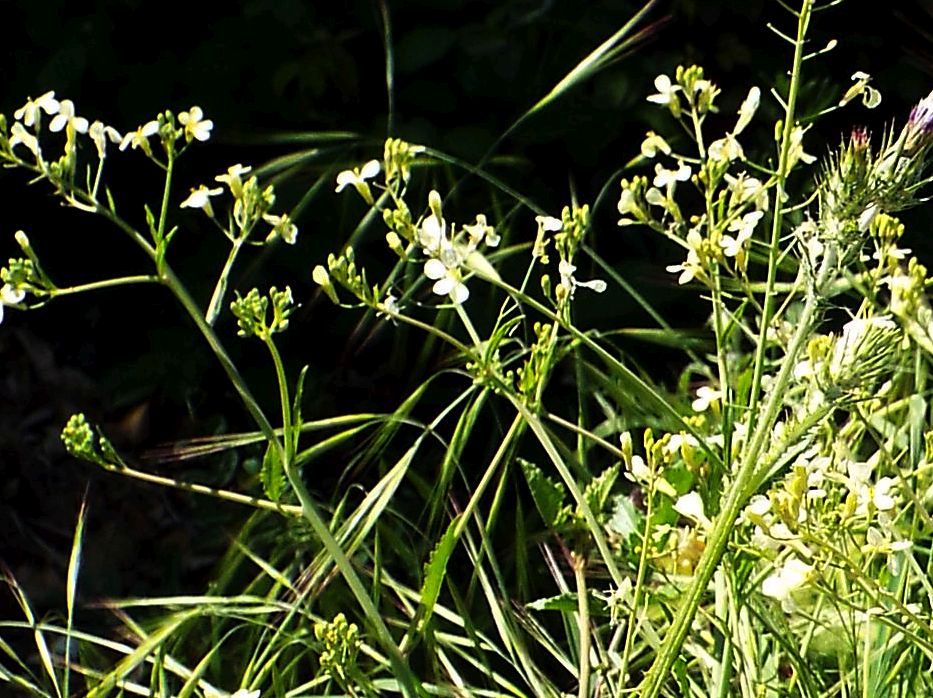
pixel 107 283
pixel 803 21
pixel 220 290
pixel 583 622
pixel 746 481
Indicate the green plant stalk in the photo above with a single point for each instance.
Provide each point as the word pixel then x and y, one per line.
pixel 220 290
pixel 309 511
pixel 745 484
pixel 106 283
pixel 583 622
pixel 322 531
pixel 803 21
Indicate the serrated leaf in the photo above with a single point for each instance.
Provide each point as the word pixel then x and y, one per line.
pixel 272 474
pixel 625 519
pixel 548 494
pixel 599 489
pixel 567 603
pixel 436 569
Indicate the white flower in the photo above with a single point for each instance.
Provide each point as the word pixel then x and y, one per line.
pixel 871 97
pixel 566 270
pixel 746 188
pixel 745 226
pixel 747 110
pixel 667 90
pixel 30 111
pixel 781 584
pixel 654 143
pixel 796 149
pixel 432 234
pixel 66 117
pixel 549 223
pixel 357 178
pixel 640 472
pixel 200 198
pixel 100 134
pixel 140 137
pixel 246 693
pixel 690 506
pixel 282 226
pixel 447 281
pixel 664 177
pixel 196 126
pixel 726 149
pixel 233 179
pixel 10 296
pixel 881 496
pixel 705 396
pixel 688 270
pixel 18 134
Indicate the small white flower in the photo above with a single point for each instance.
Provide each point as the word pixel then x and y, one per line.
pixel 432 234
pixel 357 179
pixel 705 396
pixel 747 110
pixel 447 281
pixel 690 506
pixel 18 134
pixel 566 270
pixel 140 137
pixel 871 97
pixel 66 117
pixel 640 472
pixel 664 177
pixel 745 226
pixel 667 90
pixel 30 111
pixel 781 584
pixel 726 149
pixel 233 179
pixel 246 693
pixel 100 134
pixel 796 152
pixel 654 143
pixel 10 296
pixel 881 496
pixel 196 126
pixel 200 198
pixel 282 226
pixel 549 223
pixel 688 270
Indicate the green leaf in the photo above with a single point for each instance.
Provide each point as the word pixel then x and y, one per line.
pixel 272 474
pixel 436 569
pixel 625 517
pixel 599 489
pixel 547 493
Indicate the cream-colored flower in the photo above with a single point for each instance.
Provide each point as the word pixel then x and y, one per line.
pixel 140 137
pixel 196 126
pixel 200 198
pixel 100 134
pixel 665 178
pixel 233 179
pixel 447 280
pixel 66 117
pixel 282 227
pixel 667 90
pixel 782 583
pixel 357 179
pixel 29 112
pixel 747 110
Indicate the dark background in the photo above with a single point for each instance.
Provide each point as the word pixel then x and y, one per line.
pixel 464 71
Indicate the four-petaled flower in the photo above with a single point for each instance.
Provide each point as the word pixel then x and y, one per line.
pixel 567 280
pixel 447 280
pixel 282 227
pixel 233 179
pixel 654 143
pixel 744 226
pixel 66 117
pixel 705 396
pixel 19 134
pixel 100 134
pixel 10 296
pixel 200 198
pixel 667 91
pixel 781 584
pixel 747 110
pixel 29 112
pixel 357 178
pixel 140 137
pixel 664 177
pixel 196 126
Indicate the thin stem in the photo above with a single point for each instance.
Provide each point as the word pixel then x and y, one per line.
pixel 781 179
pixel 583 621
pixel 106 283
pixel 220 290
